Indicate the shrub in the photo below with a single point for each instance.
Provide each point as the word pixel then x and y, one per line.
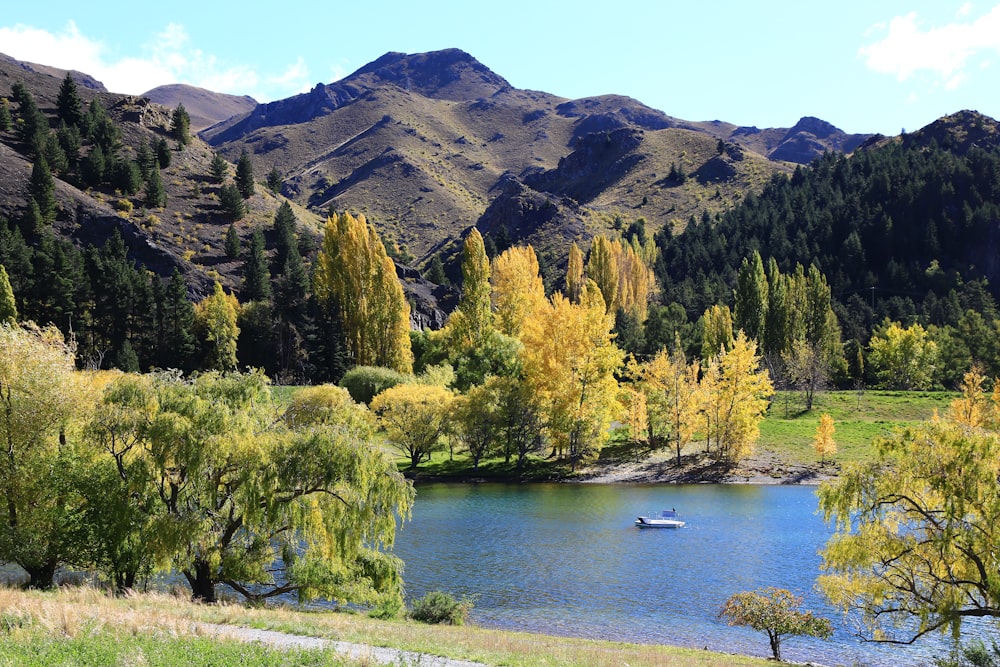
pixel 438 607
pixel 364 383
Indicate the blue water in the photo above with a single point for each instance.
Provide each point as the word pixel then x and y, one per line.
pixel 566 559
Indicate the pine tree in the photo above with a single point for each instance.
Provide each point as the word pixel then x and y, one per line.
pixel 284 231
pixel 435 272
pixel 68 103
pixel 163 153
pixel 93 167
pixel 231 202
pixel 156 196
pixel 42 189
pixel 5 119
pixel 244 175
pixel 177 343
pixel 274 180
pixel 256 277
pixel 145 158
pixel 180 126
pixel 232 242
pixel 218 168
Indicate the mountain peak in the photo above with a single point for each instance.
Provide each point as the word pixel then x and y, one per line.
pixel 450 74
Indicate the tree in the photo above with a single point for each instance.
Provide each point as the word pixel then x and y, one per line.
pixel 473 318
pixel 415 418
pixel 917 542
pixel 602 268
pixel 215 319
pixel 750 297
pixel 475 417
pixel 517 288
pixel 231 202
pixel 806 369
pixel 232 242
pixel 574 274
pixel 256 276
pixel 156 195
pixel 218 168
pixel 177 343
pixel 824 443
pixel 570 362
pixel 776 612
pixel 736 394
pixel 903 358
pixel 717 331
pixel 5 119
pixel 244 175
pixel 354 272
pixel 274 180
pixel 180 125
pixel 162 152
pixel 39 396
pixel 42 188
pixel 673 397
pixel 8 305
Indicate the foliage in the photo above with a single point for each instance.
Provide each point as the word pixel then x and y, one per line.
pixel 824 443
pixel 8 305
pixel 244 175
pixel 472 319
pixel 717 331
pixel 674 398
pixel 232 242
pixel 180 125
pixel 517 288
pixel 215 320
pixel 364 383
pixel 231 202
pixel 42 188
pixel 156 194
pixel 218 168
pixel 415 418
pixel 903 357
pixel 776 612
pixel 353 271
pixel 915 548
pixel 256 276
pixel 437 607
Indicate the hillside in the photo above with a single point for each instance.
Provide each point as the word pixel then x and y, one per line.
pixel 430 144
pixel 205 107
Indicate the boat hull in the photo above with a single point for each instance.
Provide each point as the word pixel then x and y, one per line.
pixel 658 523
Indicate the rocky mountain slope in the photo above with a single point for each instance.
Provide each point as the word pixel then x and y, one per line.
pixel 205 107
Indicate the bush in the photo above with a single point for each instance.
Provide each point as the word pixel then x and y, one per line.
pixel 438 607
pixel 364 383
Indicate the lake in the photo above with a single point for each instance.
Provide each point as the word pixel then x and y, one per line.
pixel 566 559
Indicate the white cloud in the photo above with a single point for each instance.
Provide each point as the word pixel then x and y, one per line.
pixel 909 47
pixel 168 57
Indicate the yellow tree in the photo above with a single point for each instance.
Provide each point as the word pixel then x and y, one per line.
pixel 570 362
pixel 8 306
pixel 602 268
pixel 517 288
pixel 824 443
pixel 903 357
pixel 736 394
pixel 717 331
pixel 971 408
pixel 354 272
pixel 472 320
pixel 674 397
pixel 215 319
pixel 574 274
pixel 415 418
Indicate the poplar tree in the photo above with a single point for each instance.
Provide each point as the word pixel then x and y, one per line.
pixel 750 298
pixel 574 274
pixel 8 306
pixel 602 268
pixel 469 325
pixel 355 275
pixel 517 288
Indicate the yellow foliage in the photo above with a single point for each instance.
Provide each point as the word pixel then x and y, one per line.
pixel 824 443
pixel 517 288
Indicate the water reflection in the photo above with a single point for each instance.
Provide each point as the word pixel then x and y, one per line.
pixel 566 559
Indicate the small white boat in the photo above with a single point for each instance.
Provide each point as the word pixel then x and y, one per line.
pixel 666 519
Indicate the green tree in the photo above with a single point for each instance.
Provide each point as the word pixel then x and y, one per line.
pixel 244 175
pixel 8 305
pixel 5 119
pixel 218 168
pixel 232 242
pixel 273 180
pixel 776 612
pixel 256 276
pixel 163 153
pixel 156 195
pixel 177 342
pixel 231 202
pixel 42 188
pixel 473 318
pixel 215 318
pixel 917 542
pixel 354 272
pixel 68 104
pixel 750 296
pixel 180 125
pixel 39 396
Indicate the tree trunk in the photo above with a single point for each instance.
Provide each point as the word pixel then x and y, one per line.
pixel 775 644
pixel 41 576
pixel 201 581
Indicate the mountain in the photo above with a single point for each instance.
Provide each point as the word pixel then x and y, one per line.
pixel 429 144
pixel 205 107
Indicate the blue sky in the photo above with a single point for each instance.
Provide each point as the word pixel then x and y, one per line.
pixel 874 66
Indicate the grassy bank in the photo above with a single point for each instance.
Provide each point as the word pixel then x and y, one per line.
pixel 84 627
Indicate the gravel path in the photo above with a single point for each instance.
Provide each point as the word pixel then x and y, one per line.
pixel 361 652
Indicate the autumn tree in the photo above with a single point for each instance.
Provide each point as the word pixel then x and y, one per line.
pixel 570 362
pixel 602 268
pixel 215 319
pixel 776 612
pixel 674 398
pixel 717 331
pixel 736 393
pixel 475 417
pixel 473 317
pixel 40 394
pixel 354 272
pixel 415 418
pixel 8 305
pixel 824 443
pixel 574 274
pixel 517 288
pixel 903 357
pixel 917 542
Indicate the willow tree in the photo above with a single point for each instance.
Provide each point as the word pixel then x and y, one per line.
pixel 517 288
pixel 354 273
pixel 917 542
pixel 570 362
pixel 39 395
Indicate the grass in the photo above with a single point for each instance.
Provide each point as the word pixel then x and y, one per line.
pixel 788 430
pixel 81 626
